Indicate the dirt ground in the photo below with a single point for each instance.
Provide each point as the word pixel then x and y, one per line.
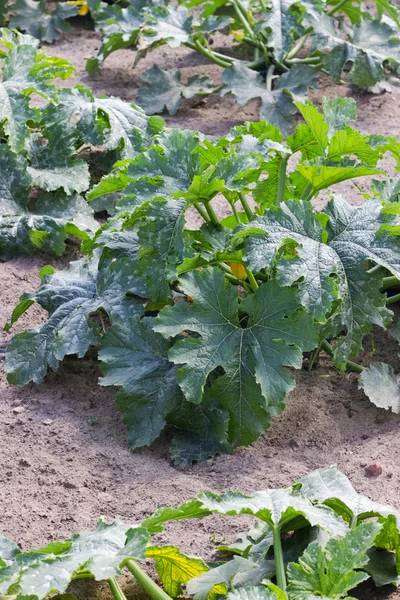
pixel 64 460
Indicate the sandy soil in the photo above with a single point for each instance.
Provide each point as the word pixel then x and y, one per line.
pixel 64 460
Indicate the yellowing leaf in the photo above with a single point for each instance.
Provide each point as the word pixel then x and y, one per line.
pixel 175 568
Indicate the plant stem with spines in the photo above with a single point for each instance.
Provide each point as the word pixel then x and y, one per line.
pixel 337 7
pixel 308 192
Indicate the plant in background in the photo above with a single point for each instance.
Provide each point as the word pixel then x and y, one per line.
pixel 318 525
pixel 204 323
pixel 43 170
pixel 286 45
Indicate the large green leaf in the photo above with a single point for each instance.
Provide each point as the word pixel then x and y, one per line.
pixel 331 266
pixel 175 568
pixel 255 382
pixel 372 43
pixel 168 24
pixel 43 228
pixel 161 246
pixel 162 88
pixel 135 357
pixel 98 553
pixel 338 562
pixel 333 488
pixel 71 297
pixel 276 105
pixel 381 384
pixel 281 21
pixel 277 507
pixel 32 17
pixel 25 70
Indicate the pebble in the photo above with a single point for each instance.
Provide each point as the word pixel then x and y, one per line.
pixel 373 470
pixel 18 410
pixel 48 422
pixel 104 497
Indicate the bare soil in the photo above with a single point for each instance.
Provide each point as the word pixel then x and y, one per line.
pixel 64 460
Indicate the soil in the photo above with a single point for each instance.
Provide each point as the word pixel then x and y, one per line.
pixel 64 459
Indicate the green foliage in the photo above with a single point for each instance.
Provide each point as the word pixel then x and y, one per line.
pixel 42 172
pixel 201 326
pixel 297 548
pixel 32 16
pixel 284 44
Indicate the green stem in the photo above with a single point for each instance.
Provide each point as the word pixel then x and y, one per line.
pixel 308 192
pixel 309 60
pixel 253 43
pixel 354 521
pixel 268 80
pixel 393 299
pixel 278 556
pixel 211 214
pixel 246 207
pixel 390 282
pixel 235 213
pixel 146 582
pixel 337 7
pixel 350 365
pixel 252 280
pixel 201 211
pixel 115 589
pixel 299 44
pixel 242 19
pixel 282 181
pixel 209 54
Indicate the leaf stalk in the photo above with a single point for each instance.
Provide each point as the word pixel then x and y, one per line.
pixel 246 207
pixel 145 581
pixel 278 556
pixel 116 589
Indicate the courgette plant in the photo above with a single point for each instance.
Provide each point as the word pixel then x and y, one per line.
pixel 45 150
pixel 318 538
pixel 280 48
pixel 198 327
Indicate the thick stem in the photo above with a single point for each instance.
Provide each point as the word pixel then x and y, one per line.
pixel 337 7
pixel 246 207
pixel 211 214
pixel 282 181
pixel 309 60
pixel 242 18
pixel 252 280
pixel 278 556
pixel 115 589
pixel 390 282
pixel 270 74
pixel 146 582
pixel 209 54
pixel 299 44
pixel 201 211
pixel 308 192
pixel 235 213
pixel 393 299
pixel 350 365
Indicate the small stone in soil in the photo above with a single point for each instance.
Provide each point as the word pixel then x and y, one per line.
pixel 104 497
pixel 47 422
pixel 373 470
pixel 18 409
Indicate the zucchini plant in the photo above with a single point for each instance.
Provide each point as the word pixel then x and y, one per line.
pixel 318 525
pixel 43 149
pixel 281 47
pixel 198 327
